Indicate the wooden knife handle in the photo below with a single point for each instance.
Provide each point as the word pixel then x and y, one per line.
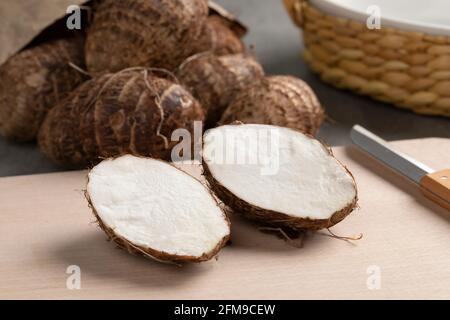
pixel 436 187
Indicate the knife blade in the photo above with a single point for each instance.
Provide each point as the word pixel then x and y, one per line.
pixel 434 184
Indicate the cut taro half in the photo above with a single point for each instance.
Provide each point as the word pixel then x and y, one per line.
pixel 278 176
pixel 149 207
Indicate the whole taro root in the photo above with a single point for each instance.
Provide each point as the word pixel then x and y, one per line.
pixel 67 135
pixel 215 80
pixel 150 33
pixel 277 100
pixel 130 112
pixel 35 80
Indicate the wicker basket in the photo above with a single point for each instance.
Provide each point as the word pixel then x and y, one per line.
pixel 406 68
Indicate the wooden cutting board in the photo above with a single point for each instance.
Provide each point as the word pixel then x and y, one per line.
pixel 45 227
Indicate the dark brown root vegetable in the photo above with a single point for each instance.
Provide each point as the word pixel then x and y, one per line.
pixel 59 137
pixel 284 178
pixel 131 111
pixel 215 80
pixel 35 80
pixel 149 207
pixel 138 115
pixel 218 38
pixel 67 135
pixel 278 100
pixel 86 117
pixel 151 33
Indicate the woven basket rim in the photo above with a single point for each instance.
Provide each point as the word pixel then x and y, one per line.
pixel 410 70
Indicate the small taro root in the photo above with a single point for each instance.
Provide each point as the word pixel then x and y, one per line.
pixel 131 111
pixel 215 80
pixel 284 179
pixel 218 38
pixel 35 80
pixel 278 100
pixel 149 207
pixel 151 33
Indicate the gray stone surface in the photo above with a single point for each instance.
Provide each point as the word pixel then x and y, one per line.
pixel 278 46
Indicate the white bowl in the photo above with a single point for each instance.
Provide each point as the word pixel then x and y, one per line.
pixel 428 16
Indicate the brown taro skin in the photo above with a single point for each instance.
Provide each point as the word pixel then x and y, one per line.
pixel 67 135
pixel 150 33
pixel 277 100
pixel 130 112
pixel 85 119
pixel 33 81
pixel 218 38
pixel 216 80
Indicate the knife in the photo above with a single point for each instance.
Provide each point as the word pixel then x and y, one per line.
pixel 435 185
